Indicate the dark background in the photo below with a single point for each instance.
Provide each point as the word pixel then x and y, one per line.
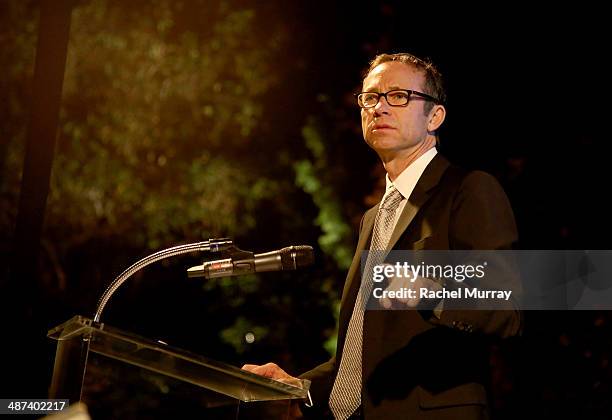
pixel 181 121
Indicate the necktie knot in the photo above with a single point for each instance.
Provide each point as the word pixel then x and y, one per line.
pixel 392 199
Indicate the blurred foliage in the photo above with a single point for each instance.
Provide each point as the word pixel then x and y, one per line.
pixel 152 121
pixel 311 176
pixel 235 334
pixel 315 178
pixel 165 137
pixel 18 23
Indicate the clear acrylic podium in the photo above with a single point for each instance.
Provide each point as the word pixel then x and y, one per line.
pixel 121 375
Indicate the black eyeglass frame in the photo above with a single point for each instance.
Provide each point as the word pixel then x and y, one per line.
pixel 409 92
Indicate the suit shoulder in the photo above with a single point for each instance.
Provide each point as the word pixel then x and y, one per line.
pixel 463 181
pixel 481 209
pixel 481 181
pixel 478 176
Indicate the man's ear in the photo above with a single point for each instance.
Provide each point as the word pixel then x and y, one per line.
pixel 436 118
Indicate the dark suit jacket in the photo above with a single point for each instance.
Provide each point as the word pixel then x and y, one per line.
pixel 416 365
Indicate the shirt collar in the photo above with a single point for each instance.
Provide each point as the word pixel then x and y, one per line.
pixel 407 180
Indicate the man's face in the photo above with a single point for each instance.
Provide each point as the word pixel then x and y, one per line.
pixel 391 130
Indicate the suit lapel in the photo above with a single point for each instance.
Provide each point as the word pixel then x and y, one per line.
pixel 366 229
pixel 353 278
pixel 429 179
pixel 414 204
pixel 364 235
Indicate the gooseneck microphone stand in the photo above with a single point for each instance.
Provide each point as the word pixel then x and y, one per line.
pixel 212 245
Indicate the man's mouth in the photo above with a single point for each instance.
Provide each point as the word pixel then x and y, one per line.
pixel 382 127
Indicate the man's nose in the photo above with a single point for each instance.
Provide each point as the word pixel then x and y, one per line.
pixel 382 107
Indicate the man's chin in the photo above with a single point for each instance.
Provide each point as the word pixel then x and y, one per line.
pixel 384 144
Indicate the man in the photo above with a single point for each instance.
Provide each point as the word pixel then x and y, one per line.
pixel 416 364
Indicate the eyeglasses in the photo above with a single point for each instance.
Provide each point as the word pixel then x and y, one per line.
pixel 398 97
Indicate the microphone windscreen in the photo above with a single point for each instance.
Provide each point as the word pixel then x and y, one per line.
pixel 295 257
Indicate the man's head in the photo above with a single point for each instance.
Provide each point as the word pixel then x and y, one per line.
pixel 434 83
pixel 402 124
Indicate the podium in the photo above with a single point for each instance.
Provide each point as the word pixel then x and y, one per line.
pixel 118 374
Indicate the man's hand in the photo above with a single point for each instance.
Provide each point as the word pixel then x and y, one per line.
pixel 273 371
pixel 411 287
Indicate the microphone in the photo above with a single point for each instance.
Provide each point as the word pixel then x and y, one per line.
pixel 242 262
